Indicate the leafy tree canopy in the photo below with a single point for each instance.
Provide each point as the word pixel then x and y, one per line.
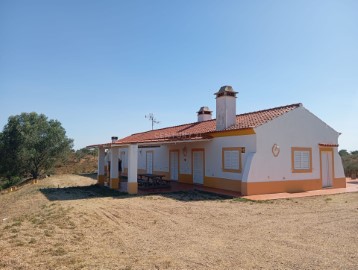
pixel 343 153
pixel 30 143
pixel 350 162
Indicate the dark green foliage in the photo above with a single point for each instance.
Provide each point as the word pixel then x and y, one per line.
pixel 350 162
pixel 6 183
pixel 343 153
pixel 32 144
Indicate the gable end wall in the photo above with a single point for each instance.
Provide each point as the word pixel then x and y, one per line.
pixel 297 128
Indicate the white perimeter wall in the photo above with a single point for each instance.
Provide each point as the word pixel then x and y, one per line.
pixel 297 128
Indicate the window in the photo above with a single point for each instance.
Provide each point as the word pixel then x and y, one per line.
pixel 301 160
pixel 231 159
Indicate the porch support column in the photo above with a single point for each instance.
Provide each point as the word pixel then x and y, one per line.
pixel 100 170
pixel 132 187
pixel 114 180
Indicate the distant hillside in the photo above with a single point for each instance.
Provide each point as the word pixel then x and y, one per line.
pixel 81 161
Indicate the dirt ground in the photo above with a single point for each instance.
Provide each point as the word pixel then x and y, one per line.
pixel 65 223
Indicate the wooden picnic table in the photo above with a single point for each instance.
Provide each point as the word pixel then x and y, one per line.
pixel 150 179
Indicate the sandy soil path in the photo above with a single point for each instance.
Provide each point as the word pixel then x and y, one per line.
pixel 65 223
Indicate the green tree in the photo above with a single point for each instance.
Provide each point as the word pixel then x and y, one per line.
pixel 10 148
pixel 32 144
pixel 343 153
pixel 350 163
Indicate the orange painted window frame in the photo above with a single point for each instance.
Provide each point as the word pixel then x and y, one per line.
pixel 293 149
pixel 239 149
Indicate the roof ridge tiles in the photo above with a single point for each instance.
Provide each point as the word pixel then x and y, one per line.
pixel 197 123
pixel 187 124
pixel 243 121
pixel 274 108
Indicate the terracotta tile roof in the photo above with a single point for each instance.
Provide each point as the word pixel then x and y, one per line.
pixel 328 144
pixel 202 130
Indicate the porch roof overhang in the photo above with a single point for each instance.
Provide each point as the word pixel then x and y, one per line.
pixel 172 142
pixel 151 142
pixel 104 145
pixel 163 141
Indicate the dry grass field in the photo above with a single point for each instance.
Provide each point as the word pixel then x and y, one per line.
pixel 65 223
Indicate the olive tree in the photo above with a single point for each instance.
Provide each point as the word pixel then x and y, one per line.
pixel 31 143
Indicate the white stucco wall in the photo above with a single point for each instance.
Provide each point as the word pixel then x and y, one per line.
pixel 213 155
pixel 160 158
pixel 297 128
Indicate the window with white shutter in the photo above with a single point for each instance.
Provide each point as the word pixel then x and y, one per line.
pixel 301 159
pixel 231 159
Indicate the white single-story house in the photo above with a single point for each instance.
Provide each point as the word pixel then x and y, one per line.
pixel 282 149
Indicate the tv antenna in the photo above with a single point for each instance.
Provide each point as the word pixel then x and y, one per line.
pixel 152 118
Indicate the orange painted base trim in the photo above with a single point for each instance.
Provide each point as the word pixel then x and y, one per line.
pixel 290 186
pixel 132 187
pixel 114 183
pixel 185 178
pixel 222 183
pixel 101 179
pixel 339 183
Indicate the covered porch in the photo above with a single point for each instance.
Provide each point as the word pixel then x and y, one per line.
pixel 109 172
pixel 118 167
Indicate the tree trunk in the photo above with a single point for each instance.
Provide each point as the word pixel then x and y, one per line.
pixel 34 174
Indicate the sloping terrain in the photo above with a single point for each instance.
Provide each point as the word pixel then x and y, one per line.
pixel 76 165
pixel 64 222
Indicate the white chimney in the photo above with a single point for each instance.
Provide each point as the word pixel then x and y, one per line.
pixel 225 107
pixel 114 139
pixel 204 114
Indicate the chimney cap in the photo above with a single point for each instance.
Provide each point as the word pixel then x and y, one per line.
pixel 204 110
pixel 226 89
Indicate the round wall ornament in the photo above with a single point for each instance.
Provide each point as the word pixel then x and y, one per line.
pixel 275 150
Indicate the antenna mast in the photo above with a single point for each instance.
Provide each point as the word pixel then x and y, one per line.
pixel 152 119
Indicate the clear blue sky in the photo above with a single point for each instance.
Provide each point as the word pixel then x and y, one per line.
pixel 99 66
